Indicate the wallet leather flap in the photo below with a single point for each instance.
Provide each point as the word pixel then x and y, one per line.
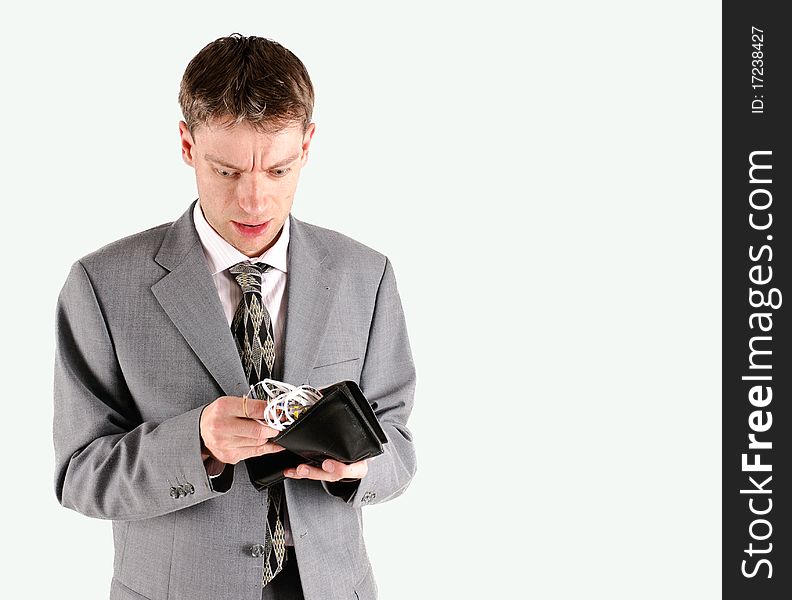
pixel 363 405
pixel 341 425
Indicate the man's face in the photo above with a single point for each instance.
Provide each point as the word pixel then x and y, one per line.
pixel 246 179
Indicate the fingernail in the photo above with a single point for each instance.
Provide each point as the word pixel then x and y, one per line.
pixel 328 466
pixel 302 471
pixel 289 472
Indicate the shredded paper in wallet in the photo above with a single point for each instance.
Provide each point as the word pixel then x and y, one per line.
pixel 285 402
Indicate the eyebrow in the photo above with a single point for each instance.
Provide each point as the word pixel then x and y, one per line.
pixel 281 163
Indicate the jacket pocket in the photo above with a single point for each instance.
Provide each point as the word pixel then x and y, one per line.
pixel 335 371
pixel 148 552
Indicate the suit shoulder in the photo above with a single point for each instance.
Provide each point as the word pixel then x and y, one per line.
pixel 346 249
pixel 132 249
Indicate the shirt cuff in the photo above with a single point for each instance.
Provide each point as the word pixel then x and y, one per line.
pixel 214 468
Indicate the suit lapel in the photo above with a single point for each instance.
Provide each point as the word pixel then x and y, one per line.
pixel 189 297
pixel 310 292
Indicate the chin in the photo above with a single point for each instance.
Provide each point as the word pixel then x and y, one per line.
pixel 251 250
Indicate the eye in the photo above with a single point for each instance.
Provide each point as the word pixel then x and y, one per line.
pixel 225 173
pixel 280 172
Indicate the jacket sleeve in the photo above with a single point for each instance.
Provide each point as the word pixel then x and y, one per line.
pixel 109 464
pixel 388 382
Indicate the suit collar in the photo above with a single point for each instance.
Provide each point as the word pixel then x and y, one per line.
pixel 179 241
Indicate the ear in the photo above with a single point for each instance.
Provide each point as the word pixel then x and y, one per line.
pixel 307 137
pixel 187 144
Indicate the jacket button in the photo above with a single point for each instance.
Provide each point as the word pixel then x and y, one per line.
pixel 257 550
pixel 188 487
pixel 174 493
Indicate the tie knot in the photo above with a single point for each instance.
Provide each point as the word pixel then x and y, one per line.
pixel 248 275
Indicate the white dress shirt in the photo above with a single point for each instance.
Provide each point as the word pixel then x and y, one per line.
pixel 220 256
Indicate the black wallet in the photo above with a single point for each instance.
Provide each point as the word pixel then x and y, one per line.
pixel 341 425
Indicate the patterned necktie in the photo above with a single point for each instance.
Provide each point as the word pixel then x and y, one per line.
pixel 252 329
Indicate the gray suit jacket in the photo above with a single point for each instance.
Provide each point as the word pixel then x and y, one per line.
pixel 143 346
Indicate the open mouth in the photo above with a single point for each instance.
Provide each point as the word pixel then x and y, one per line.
pixel 251 229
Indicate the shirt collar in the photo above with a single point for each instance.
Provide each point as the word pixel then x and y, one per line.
pixel 221 255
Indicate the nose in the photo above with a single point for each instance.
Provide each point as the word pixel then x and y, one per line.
pixel 255 192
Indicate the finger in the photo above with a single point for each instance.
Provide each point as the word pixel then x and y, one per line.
pixel 356 470
pixel 253 451
pixel 272 448
pixel 262 449
pixel 240 432
pixel 252 430
pixel 332 471
pixel 235 406
pixel 247 444
pixel 227 439
pixel 256 408
pixel 309 472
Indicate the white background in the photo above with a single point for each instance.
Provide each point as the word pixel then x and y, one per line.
pixel 545 178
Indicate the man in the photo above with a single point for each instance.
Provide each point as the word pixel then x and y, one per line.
pixel 156 351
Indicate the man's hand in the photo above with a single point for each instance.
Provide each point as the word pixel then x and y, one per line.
pixel 331 470
pixel 229 436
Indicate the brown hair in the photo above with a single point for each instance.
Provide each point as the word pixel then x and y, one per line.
pixel 251 79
